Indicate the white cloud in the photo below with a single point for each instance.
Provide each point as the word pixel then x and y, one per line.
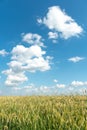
pixel 53 35
pixel 60 85
pixel 17 88
pixel 29 87
pixel 29 59
pixel 56 19
pixel 72 88
pixel 14 78
pixel 39 20
pixel 3 52
pixel 25 59
pixel 44 89
pixel 33 39
pixel 76 59
pixel 78 83
pixel 55 80
pixel 21 52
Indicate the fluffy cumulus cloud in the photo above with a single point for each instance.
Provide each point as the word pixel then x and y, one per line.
pixel 20 52
pixel 56 19
pixel 76 59
pixel 33 39
pixel 13 79
pixel 29 59
pixel 3 52
pixel 25 59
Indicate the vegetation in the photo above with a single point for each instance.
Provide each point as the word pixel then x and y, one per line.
pixel 43 113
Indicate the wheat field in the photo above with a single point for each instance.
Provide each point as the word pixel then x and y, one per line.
pixel 43 113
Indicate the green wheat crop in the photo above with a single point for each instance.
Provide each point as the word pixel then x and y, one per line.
pixel 43 113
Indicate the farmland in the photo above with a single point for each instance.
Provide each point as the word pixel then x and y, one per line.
pixel 43 113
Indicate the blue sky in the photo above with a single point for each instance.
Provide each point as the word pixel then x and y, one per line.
pixel 43 47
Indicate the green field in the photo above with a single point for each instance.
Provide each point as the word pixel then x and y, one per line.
pixel 43 113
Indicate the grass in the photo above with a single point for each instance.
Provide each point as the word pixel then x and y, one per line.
pixel 43 113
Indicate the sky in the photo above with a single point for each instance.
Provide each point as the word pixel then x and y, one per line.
pixel 43 47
